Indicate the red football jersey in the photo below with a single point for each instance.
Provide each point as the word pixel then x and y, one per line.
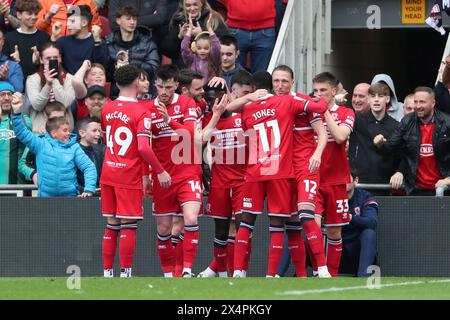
pixel 269 125
pixel 304 138
pixel 228 152
pixel 334 168
pixel 123 120
pixel 176 150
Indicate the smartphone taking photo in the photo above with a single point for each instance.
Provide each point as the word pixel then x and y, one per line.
pixel 53 65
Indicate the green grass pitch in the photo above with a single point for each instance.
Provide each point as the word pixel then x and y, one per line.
pixel 138 288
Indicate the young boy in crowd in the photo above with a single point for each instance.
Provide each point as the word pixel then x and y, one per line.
pixel 58 156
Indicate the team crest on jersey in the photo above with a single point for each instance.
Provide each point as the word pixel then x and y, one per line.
pixel 177 109
pixel 426 150
pixel 335 116
pixel 357 211
pixel 147 123
pixel 238 122
pixel 199 111
pixel 192 112
pixel 153 115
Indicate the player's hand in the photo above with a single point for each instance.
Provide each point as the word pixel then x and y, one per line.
pixel 85 194
pixel 164 179
pixel 86 64
pixel 257 95
pixel 16 102
pixel 146 185
pixel 397 181
pixel 209 25
pixel 314 163
pixel 217 82
pixel 183 30
pixel 219 107
pixel 379 140
pixel 341 97
pixel 162 109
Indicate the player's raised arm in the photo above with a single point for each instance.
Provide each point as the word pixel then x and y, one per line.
pixel 238 104
pixel 316 106
pixel 340 133
pixel 316 158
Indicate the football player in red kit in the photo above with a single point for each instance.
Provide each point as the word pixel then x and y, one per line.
pixel 128 125
pixel 269 124
pixel 307 160
pixel 332 202
pixel 175 118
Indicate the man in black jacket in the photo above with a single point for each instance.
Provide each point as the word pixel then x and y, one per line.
pixel 372 166
pixel 424 139
pixel 131 44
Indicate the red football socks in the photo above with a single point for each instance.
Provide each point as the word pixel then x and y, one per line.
pixel 334 253
pixel 109 245
pixel 190 245
pixel 127 244
pixel 275 248
pixel 166 253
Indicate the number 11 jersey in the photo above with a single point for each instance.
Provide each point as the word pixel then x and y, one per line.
pixel 123 120
pixel 269 124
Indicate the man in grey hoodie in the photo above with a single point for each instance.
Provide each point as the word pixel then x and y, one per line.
pixel 395 108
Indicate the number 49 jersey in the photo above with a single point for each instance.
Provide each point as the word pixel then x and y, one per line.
pixel 123 120
pixel 269 124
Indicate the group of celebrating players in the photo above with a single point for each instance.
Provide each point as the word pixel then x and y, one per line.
pixel 266 143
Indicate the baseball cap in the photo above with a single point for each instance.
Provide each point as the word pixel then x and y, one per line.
pixel 95 89
pixel 6 86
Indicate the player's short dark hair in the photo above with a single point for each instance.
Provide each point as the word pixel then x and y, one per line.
pixel 326 77
pixel 83 123
pixel 167 72
pixel 285 68
pixel 28 6
pixel 84 11
pixel 228 40
pixel 54 106
pixel 242 77
pixel 186 76
pixel 54 123
pixel 126 75
pixel 425 89
pixel 354 172
pixel 262 80
pixel 128 10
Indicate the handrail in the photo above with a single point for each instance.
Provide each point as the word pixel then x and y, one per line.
pixel 373 186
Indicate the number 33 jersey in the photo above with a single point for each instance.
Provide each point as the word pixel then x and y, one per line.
pixel 123 120
pixel 269 125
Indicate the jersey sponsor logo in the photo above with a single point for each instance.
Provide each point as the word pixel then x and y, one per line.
pixel 264 113
pixel 426 150
pixel 247 203
pixel 147 123
pixel 177 109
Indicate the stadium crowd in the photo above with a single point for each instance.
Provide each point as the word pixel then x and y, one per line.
pixel 90 90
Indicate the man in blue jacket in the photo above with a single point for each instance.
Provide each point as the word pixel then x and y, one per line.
pixel 58 155
pixel 359 238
